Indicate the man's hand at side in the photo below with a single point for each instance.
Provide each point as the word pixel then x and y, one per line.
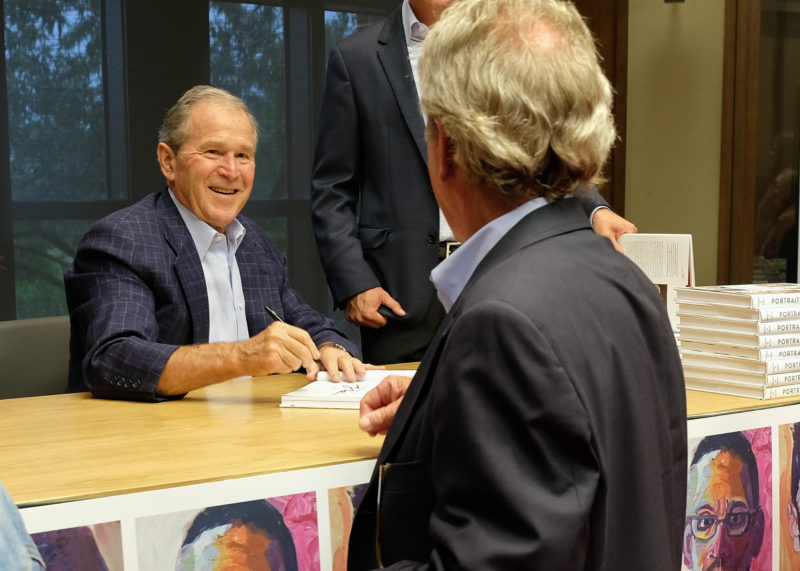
pixel 362 308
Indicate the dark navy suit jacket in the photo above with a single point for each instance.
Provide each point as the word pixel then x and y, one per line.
pixel 136 292
pixel 546 426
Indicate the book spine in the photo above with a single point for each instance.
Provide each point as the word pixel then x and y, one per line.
pixel 779 366
pixel 783 379
pixel 778 340
pixel 774 299
pixel 779 353
pixel 779 391
pixel 779 314
pixel 770 327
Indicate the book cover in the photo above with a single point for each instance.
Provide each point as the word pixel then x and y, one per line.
pixel 738 325
pixel 744 295
pixel 766 341
pixel 742 350
pixel 741 377
pixel 762 314
pixel 736 363
pixel 750 391
pixel 323 393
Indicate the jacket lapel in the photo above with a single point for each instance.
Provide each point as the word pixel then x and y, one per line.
pixel 393 55
pixel 187 265
pixel 249 257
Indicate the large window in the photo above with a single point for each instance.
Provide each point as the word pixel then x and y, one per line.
pixel 248 58
pixel 84 85
pixel 758 235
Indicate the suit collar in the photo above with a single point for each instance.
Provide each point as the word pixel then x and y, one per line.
pixel 548 221
pixel 393 56
pixel 556 218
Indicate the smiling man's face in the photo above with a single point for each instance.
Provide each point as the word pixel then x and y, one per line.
pixel 212 173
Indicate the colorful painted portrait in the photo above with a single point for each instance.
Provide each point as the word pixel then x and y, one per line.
pixel 84 548
pixel 789 496
pixel 343 503
pixel 275 534
pixel 728 522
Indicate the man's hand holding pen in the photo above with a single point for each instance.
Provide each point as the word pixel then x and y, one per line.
pixel 293 347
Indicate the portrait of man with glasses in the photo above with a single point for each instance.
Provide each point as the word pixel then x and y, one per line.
pixel 724 518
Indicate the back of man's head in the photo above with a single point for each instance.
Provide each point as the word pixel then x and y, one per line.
pixel 518 88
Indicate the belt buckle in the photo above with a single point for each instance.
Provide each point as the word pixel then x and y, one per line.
pixel 447 248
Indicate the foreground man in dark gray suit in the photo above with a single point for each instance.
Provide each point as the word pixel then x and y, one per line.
pixel 546 426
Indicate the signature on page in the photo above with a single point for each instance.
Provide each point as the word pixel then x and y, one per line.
pixel 347 388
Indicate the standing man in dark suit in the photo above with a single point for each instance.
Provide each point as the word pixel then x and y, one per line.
pixel 546 426
pixel 375 218
pixel 173 293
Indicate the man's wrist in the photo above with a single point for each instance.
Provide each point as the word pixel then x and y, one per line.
pixel 595 211
pixel 335 345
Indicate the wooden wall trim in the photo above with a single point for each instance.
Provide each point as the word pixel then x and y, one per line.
pixel 738 142
pixel 608 20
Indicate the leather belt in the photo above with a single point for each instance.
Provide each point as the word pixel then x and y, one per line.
pixel 447 248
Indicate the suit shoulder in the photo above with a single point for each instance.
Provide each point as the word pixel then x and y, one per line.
pixel 138 219
pixel 259 235
pixel 366 37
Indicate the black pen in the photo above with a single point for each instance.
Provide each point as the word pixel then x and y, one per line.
pixel 272 314
pixel 275 317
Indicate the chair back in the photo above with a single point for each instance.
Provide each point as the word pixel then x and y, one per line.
pixel 34 356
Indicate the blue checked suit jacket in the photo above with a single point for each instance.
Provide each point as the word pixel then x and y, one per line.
pixel 136 292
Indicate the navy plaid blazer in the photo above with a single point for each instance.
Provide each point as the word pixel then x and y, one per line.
pixel 136 292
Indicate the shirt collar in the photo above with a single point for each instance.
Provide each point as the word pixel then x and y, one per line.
pixel 409 21
pixel 452 274
pixel 202 234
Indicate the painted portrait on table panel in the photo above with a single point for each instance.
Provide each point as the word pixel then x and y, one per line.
pixel 789 498
pixel 728 524
pixel 343 503
pixel 278 534
pixel 95 547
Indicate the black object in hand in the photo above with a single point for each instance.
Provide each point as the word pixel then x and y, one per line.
pixel 388 313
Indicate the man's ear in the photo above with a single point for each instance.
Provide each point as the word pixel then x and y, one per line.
pixel 447 165
pixel 166 160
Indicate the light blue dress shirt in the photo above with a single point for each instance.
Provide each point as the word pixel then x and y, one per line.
pixel 226 308
pixel 415 33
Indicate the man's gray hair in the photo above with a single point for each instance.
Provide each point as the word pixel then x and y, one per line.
pixel 518 88
pixel 173 130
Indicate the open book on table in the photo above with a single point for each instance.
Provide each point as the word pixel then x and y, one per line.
pixel 323 393
pixel 667 259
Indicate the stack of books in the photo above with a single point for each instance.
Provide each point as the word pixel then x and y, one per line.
pixel 741 340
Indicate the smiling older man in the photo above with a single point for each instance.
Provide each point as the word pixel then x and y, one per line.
pixel 169 294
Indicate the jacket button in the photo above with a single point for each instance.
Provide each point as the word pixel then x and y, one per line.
pixel 431 239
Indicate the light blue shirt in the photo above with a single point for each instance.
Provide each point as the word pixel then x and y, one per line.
pixel 227 320
pixel 17 549
pixel 415 30
pixel 453 273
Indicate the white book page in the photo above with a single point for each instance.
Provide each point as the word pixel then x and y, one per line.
pixel 667 259
pixel 326 394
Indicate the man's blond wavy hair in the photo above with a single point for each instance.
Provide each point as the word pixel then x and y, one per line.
pixel 518 88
